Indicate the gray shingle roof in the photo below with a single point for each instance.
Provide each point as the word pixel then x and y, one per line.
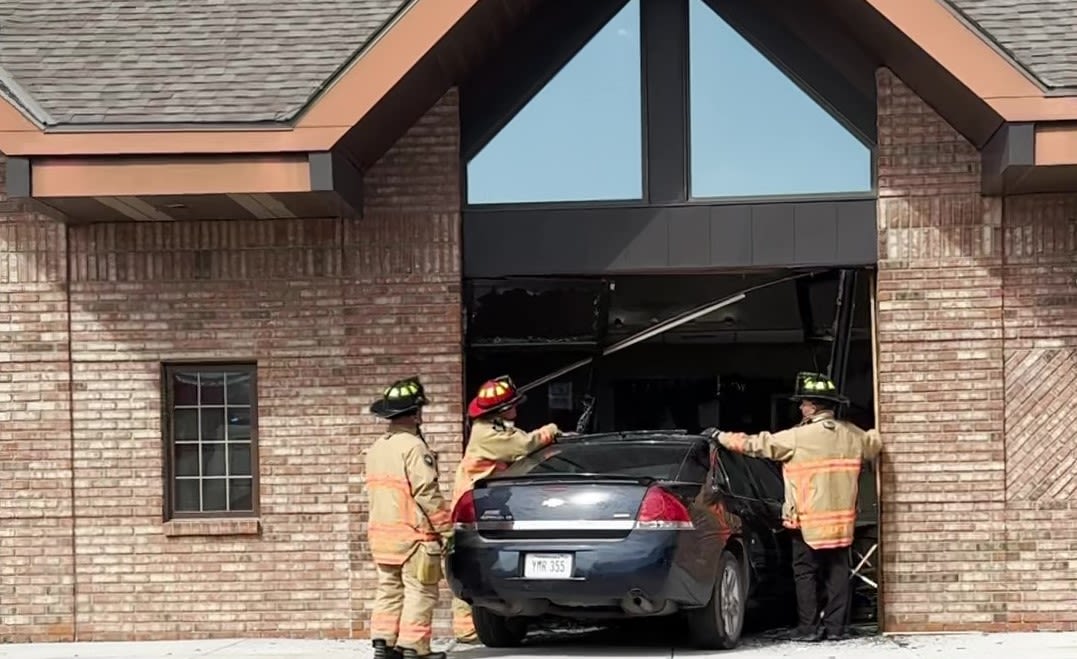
pixel 215 61
pixel 1041 35
pixel 128 61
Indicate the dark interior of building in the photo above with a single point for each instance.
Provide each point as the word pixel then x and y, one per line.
pixel 733 368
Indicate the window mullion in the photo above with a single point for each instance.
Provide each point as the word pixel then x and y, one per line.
pixel 664 49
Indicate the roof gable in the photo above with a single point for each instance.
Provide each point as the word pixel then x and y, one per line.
pixel 1040 35
pixel 199 61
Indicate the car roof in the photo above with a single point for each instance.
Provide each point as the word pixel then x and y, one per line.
pixel 635 437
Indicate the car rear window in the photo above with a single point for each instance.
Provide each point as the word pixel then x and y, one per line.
pixel 655 460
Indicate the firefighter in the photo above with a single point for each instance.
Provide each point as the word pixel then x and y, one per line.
pixel 821 459
pixel 408 525
pixel 495 443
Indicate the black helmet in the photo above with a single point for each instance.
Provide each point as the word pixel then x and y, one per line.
pixel 816 386
pixel 402 398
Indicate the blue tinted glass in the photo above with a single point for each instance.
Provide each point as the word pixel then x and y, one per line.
pixel 754 131
pixel 580 138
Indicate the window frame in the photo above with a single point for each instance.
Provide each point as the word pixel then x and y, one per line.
pixel 665 69
pixel 168 369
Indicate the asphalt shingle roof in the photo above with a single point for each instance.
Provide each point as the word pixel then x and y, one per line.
pixel 1041 35
pixel 86 62
pixel 176 61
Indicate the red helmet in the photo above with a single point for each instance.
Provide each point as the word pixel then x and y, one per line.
pixel 495 396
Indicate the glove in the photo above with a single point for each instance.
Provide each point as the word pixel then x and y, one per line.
pixel 711 433
pixel 552 431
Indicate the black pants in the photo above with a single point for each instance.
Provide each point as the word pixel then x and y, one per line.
pixel 831 568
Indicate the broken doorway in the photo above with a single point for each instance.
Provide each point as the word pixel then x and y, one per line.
pixel 733 368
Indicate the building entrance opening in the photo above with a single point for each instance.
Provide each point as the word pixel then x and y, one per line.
pixel 732 369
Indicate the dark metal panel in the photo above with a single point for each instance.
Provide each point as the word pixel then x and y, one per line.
pixel 17 179
pixel 645 238
pixel 1009 153
pixel 858 235
pixel 690 237
pixel 665 80
pixel 731 235
pixel 815 231
pixel 331 171
pixel 773 238
pixel 596 241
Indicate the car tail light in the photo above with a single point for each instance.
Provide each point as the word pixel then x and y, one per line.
pixel 661 510
pixel 463 515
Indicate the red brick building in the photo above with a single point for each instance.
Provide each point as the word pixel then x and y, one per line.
pixel 225 229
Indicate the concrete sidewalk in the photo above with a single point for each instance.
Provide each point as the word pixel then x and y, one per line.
pixel 971 646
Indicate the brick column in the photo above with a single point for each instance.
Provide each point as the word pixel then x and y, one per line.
pixel 941 374
pixel 36 558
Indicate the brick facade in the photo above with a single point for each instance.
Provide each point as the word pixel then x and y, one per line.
pixel 976 305
pixel 330 309
pixel 977 372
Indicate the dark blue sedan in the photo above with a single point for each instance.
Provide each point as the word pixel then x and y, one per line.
pixel 624 525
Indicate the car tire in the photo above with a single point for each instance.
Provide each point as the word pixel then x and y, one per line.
pixel 718 625
pixel 496 631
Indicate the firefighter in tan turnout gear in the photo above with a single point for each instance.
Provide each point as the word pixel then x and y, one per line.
pixel 494 444
pixel 821 459
pixel 408 525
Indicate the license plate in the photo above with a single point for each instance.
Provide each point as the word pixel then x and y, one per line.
pixel 548 566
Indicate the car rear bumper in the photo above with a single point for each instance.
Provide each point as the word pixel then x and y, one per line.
pixel 640 575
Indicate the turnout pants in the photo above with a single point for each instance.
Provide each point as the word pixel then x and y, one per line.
pixel 404 607
pixel 830 568
pixel 463 626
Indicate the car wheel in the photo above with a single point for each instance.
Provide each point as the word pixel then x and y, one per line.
pixel 718 625
pixel 495 631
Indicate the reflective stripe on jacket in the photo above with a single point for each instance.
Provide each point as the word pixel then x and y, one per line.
pixel 492 446
pixel 406 504
pixel 821 468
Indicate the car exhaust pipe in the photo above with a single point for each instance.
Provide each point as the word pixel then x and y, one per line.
pixel 637 603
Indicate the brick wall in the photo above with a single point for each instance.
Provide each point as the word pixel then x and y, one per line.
pixel 36 576
pixel 976 301
pixel 1040 339
pixel 330 309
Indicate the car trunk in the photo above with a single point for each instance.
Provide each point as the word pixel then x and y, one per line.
pixel 559 506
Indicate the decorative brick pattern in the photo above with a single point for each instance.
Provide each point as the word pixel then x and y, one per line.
pixel 330 309
pixel 977 348
pixel 1041 395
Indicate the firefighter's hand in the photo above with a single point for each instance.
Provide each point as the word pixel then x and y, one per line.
pixel 711 433
pixel 552 431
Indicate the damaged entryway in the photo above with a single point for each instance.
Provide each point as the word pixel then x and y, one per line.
pixel 653 157
pixel 731 368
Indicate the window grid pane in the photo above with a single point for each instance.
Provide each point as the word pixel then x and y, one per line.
pixel 218 449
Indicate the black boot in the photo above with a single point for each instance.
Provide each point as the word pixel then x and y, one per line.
pixel 383 651
pixel 808 635
pixel 412 654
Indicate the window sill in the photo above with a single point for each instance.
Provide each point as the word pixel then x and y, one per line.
pixel 190 527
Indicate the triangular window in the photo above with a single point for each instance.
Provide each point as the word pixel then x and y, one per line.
pixel 581 137
pixel 754 132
